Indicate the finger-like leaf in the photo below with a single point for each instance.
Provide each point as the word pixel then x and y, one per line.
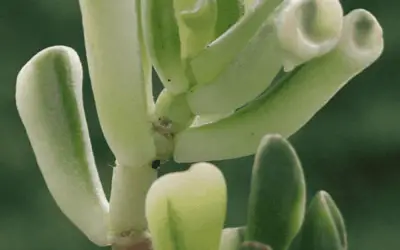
pixel 49 101
pixel 289 105
pixel 222 51
pixel 243 80
pixel 337 218
pixel 196 21
pixel 277 196
pixel 283 39
pixel 113 47
pixel 320 230
pixel 161 33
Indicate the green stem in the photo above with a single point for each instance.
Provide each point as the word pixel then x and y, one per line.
pixel 128 224
pixel 143 245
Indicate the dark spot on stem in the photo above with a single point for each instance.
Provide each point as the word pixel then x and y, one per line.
pixel 155 164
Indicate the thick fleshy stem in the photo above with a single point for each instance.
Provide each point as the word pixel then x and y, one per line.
pixel 143 245
pixel 128 225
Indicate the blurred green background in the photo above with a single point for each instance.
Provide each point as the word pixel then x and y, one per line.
pixel 351 148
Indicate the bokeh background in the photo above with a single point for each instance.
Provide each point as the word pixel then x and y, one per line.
pixel 351 148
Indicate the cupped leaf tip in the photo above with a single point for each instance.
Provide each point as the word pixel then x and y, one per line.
pixel 186 210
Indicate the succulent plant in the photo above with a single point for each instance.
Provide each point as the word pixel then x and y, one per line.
pixel 232 71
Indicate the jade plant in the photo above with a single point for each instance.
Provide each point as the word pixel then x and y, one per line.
pixel 233 71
